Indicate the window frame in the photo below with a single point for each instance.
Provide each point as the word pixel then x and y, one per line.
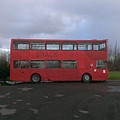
pixel 52 45
pixel 48 66
pixel 97 46
pixel 41 45
pixel 38 64
pixel 21 43
pixel 18 64
pixel 25 66
pixel 74 46
pixel 69 62
pixel 83 44
pixel 99 64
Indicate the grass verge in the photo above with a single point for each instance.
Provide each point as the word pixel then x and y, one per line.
pixel 114 75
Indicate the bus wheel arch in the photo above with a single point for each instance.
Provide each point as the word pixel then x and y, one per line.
pixel 86 77
pixel 35 78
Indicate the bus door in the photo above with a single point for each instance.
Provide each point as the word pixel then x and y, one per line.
pixel 24 70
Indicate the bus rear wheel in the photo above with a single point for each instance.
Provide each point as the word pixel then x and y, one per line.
pixel 86 78
pixel 35 78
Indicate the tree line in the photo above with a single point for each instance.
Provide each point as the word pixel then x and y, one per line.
pixel 114 57
pixel 4 68
pixel 113 62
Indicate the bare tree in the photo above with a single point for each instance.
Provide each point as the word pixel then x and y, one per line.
pixel 4 67
pixel 114 57
pixel 110 57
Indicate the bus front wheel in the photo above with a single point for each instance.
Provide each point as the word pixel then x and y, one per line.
pixel 35 78
pixel 86 78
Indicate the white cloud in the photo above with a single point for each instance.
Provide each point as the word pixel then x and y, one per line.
pixel 70 19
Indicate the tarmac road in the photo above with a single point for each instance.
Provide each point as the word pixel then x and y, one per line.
pixel 61 101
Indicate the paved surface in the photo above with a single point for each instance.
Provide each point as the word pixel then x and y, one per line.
pixel 60 101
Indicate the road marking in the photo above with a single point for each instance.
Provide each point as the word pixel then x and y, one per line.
pixel 34 110
pixel 3 96
pixel 83 111
pixel 19 100
pixel 97 95
pixel 3 106
pixel 29 104
pixel 45 96
pixel 76 116
pixel 25 89
pixel 5 111
pixel 59 95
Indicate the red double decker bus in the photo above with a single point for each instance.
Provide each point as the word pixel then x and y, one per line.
pixel 58 60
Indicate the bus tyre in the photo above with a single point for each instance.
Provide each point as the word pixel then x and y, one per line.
pixel 35 78
pixel 86 78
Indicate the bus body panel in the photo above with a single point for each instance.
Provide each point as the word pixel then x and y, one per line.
pixel 86 62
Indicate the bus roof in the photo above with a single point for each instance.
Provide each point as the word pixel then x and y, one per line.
pixel 58 40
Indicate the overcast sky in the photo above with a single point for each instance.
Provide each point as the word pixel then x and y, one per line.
pixel 62 19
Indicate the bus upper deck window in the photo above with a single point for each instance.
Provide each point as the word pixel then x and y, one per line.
pixel 19 45
pixel 69 64
pixel 69 46
pixel 37 45
pixel 53 64
pixel 53 46
pixel 99 46
pixel 84 46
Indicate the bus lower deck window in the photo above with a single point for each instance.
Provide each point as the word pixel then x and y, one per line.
pixel 16 63
pixel 101 63
pixel 37 64
pixel 69 64
pixel 53 64
pixel 24 64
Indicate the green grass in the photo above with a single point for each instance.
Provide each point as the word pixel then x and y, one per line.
pixel 114 75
